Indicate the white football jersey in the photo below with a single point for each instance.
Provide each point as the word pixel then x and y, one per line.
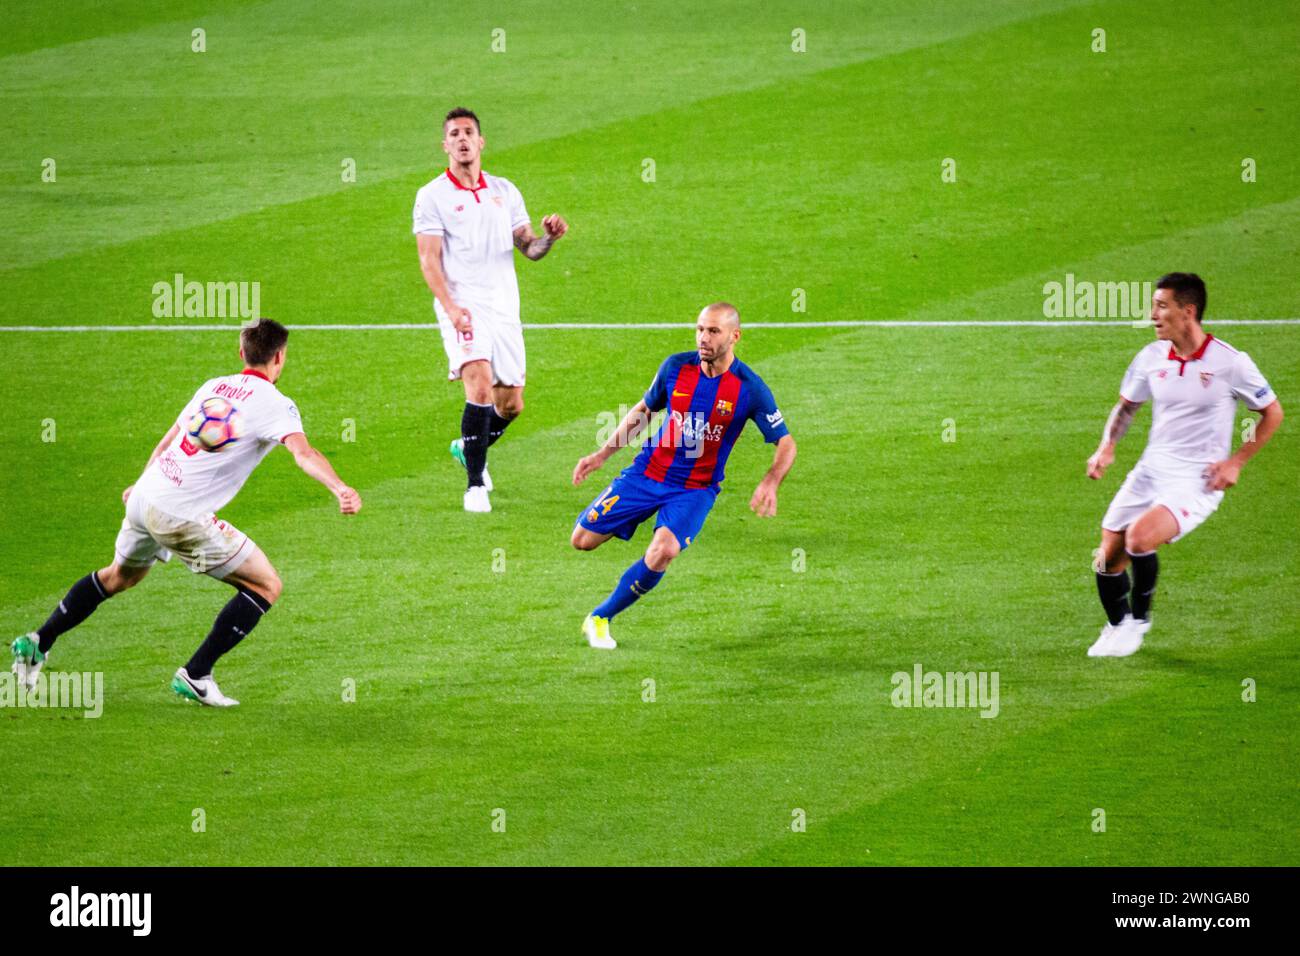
pixel 188 482
pixel 478 246
pixel 1194 400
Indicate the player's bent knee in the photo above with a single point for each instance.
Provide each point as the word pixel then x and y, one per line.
pixel 584 540
pixel 477 378
pixel 268 591
pixel 1140 539
pixel 117 578
pixel 1141 543
pixel 658 560
pixel 1108 559
pixel 267 586
pixel 1109 556
pixel 661 553
pixel 271 588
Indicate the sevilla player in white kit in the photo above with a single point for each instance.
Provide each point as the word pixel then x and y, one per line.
pixel 171 510
pixel 467 225
pixel 1195 381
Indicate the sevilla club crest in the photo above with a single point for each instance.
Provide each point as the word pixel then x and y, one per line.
pixel 1207 379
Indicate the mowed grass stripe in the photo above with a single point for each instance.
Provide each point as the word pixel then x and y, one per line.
pixel 377 270
pixel 199 100
pixel 1121 756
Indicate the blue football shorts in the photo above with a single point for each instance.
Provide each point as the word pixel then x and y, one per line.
pixel 620 508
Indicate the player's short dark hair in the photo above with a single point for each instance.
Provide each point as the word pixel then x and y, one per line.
pixel 261 340
pixel 461 113
pixel 1188 289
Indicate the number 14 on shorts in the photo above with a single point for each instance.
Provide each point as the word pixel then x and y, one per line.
pixel 601 505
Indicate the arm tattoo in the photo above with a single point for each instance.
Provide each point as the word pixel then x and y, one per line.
pixel 1121 416
pixel 534 247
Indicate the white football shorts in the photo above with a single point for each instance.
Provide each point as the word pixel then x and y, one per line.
pixel 207 545
pixel 491 338
pixel 1186 495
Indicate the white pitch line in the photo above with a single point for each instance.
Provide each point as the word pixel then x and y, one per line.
pixel 674 326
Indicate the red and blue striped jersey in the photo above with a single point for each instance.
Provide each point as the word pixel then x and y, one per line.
pixel 705 417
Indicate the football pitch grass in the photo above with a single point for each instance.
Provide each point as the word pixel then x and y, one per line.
pixel 938 512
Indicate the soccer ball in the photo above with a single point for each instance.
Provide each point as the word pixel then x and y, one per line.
pixel 216 425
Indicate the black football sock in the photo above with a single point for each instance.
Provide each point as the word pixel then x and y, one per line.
pixel 236 619
pixel 497 427
pixel 474 425
pixel 1145 569
pixel 1113 591
pixel 77 605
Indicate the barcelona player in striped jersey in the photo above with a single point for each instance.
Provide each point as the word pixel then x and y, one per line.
pixel 709 394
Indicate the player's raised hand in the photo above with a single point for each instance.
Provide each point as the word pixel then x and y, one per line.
pixel 460 318
pixel 1101 460
pixel 1222 475
pixel 763 503
pixel 555 226
pixel 349 500
pixel 586 466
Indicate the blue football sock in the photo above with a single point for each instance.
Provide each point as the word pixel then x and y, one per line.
pixel 636 581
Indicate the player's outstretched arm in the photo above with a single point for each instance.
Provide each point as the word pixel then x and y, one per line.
pixel 534 246
pixel 1121 417
pixel 763 503
pixel 633 423
pixel 1224 474
pixel 161 447
pixel 317 465
pixel 430 248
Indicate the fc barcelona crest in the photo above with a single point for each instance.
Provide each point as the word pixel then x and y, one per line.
pixel 1207 378
pixel 725 407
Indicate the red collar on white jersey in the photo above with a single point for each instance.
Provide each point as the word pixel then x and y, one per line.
pixel 482 183
pixel 1195 356
pixel 255 372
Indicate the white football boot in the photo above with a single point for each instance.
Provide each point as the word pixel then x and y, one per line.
pixel 476 499
pixel 457 450
pixel 596 631
pixel 205 691
pixel 1102 644
pixel 1129 637
pixel 28 659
